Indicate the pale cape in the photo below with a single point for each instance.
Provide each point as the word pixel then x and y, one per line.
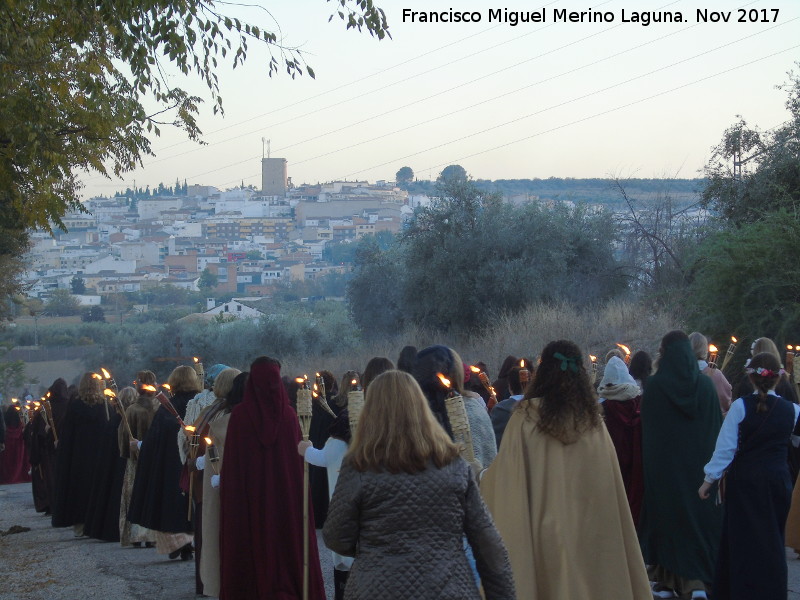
pixel 564 516
pixel 209 557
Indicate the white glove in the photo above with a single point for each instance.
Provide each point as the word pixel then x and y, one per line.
pixel 139 444
pixel 200 463
pixel 215 481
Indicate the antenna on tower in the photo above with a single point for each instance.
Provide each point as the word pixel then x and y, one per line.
pixel 263 140
pixel 268 151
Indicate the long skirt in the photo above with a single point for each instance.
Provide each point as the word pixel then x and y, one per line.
pixel 130 533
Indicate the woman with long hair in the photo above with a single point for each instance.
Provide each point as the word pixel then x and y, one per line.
pixel 138 415
pixel 78 438
pixel 556 493
pixel 403 503
pixel 751 452
pixel 699 344
pixel 679 533
pixel 158 502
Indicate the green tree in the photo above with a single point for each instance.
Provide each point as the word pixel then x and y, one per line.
pixel 12 373
pixel 77 285
pixel 93 314
pixel 254 255
pixel 208 281
pixel 404 176
pixel 453 173
pixel 754 172
pixel 62 304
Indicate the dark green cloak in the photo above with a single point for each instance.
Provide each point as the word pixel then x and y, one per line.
pixel 680 422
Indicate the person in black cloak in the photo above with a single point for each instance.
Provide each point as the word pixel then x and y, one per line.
pixel 78 439
pixel 405 362
pixel 102 511
pixel 318 434
pixel 500 384
pixel 42 446
pixel 157 500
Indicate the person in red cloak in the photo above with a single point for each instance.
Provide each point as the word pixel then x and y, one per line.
pixel 261 494
pixel 14 466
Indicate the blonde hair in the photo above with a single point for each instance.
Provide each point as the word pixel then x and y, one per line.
pixel 127 396
pixel 397 430
pixel 90 389
pixel 699 344
pixel 764 344
pixel 224 382
pixel 184 379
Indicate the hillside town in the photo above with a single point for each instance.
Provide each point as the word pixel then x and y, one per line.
pixel 246 239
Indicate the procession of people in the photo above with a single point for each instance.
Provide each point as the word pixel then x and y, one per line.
pixel 565 479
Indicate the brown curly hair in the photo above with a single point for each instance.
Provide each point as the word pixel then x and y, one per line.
pixel 568 406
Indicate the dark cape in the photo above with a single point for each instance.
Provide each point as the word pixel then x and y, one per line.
pixel 102 511
pixel 261 493
pixel 318 434
pixel 157 501
pixel 624 424
pixel 42 449
pixel 680 422
pixel 758 492
pixel 78 440
pixel 14 465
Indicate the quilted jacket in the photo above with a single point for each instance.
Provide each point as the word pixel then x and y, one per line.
pixel 406 534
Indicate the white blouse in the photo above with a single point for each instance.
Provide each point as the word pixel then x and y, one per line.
pixel 728 439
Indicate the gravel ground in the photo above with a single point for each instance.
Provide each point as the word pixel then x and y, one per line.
pixel 51 564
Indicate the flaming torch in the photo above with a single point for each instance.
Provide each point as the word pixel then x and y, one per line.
pixel 627 352
pixel 213 454
pixel 319 395
pixel 121 410
pixel 164 401
pixel 355 404
pixel 729 353
pixel 524 374
pixel 790 360
pixel 484 379
pixel 48 413
pixel 459 424
pixel 304 416
pixel 713 352
pixel 110 382
pixel 198 368
pixel 593 360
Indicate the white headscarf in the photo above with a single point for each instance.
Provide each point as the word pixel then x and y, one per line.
pixel 617 383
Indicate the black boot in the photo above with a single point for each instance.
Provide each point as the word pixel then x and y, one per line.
pixel 339 583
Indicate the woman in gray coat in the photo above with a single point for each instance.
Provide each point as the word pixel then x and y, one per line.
pixel 403 503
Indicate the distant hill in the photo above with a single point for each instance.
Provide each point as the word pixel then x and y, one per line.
pixel 593 191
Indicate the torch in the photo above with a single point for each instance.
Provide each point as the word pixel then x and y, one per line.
pixel 713 352
pixel 524 374
pixel 355 404
pixel 164 401
pixel 198 368
pixel 319 395
pixel 121 410
pixel 105 399
pixel 484 379
pixel 110 382
pixel 459 423
pixel 593 360
pixel 790 360
pixel 729 353
pixel 213 454
pixel 304 417
pixel 627 352
pixel 48 411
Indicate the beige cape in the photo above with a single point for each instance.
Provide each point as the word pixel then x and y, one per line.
pixel 563 514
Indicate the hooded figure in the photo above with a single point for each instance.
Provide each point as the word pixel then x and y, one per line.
pixel 261 495
pixel 679 532
pixel 619 393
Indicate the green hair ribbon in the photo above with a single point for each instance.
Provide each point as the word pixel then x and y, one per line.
pixel 570 362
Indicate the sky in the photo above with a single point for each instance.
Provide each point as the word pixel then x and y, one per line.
pixel 597 98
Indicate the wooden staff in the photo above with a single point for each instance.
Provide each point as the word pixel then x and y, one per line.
pixel 121 410
pixel 729 353
pixel 304 417
pixel 459 423
pixel 355 404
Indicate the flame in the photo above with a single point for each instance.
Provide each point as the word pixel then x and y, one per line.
pixel 521 363
pixel 789 347
pixel 195 359
pixel 713 349
pixel 317 374
pixel 624 348
pixel 315 394
pixel 47 395
pixel 797 348
pixel 149 388
pixel 354 382
pixel 316 387
pixel 592 358
pixel 166 386
pixel 445 381
pixel 474 369
pixel 734 340
pixel 14 400
pixel 106 374
pixel 96 376
pixel 17 408
pixel 208 441
pixel 37 404
pixel 299 380
pixel 109 393
pixel 190 428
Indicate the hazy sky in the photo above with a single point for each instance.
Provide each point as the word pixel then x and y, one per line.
pixel 571 99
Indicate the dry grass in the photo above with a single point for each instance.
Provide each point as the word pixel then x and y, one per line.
pixel 594 330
